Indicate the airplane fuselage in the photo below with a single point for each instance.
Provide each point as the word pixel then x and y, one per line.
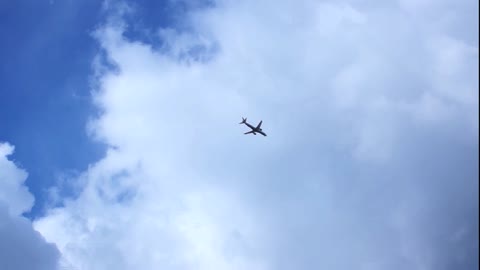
pixel 250 126
pixel 261 132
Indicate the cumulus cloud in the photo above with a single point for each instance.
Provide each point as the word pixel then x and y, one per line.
pixel 370 160
pixel 21 247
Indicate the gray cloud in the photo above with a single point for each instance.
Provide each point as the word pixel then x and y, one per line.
pixel 22 247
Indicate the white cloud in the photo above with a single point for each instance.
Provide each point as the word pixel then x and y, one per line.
pixel 13 192
pixel 21 246
pixel 365 135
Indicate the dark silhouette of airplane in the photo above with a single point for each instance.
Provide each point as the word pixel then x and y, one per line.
pixel 254 130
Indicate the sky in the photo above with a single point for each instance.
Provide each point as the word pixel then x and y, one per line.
pixel 120 146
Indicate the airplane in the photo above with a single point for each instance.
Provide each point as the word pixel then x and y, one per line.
pixel 254 130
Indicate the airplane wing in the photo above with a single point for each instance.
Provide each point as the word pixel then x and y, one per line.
pixel 259 124
pixel 248 132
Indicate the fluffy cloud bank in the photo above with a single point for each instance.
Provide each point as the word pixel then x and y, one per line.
pixel 371 112
pixel 21 247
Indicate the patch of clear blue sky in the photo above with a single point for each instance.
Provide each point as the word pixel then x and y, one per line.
pixel 44 94
pixel 46 55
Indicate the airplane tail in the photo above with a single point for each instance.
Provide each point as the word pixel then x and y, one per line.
pixel 244 120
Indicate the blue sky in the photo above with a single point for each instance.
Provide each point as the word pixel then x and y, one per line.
pixel 121 146
pixel 47 52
